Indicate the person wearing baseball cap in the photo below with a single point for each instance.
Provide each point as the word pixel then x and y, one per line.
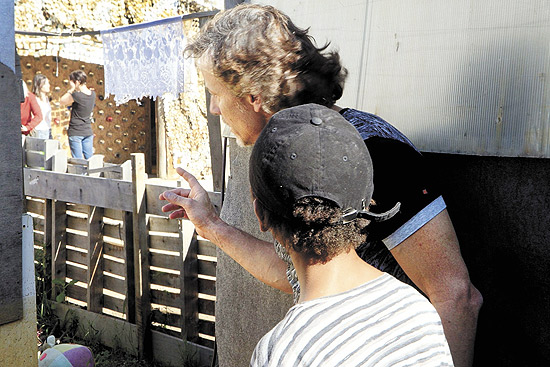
pixel 302 173
pixel 255 62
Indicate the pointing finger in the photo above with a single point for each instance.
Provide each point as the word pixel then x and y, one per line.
pixel 187 176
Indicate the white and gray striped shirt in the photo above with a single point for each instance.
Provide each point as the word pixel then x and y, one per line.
pixel 383 322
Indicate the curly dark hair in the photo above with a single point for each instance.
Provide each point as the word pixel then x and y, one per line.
pixel 315 229
pixel 257 50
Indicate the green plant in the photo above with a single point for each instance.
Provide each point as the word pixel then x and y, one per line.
pixel 47 321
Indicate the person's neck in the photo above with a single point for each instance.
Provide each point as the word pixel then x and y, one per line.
pixel 343 272
pixel 83 88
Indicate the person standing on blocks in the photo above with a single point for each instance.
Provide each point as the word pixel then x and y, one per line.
pixel 82 102
pixel 303 172
pixel 256 62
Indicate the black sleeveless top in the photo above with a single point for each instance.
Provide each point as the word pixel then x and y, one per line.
pixel 81 114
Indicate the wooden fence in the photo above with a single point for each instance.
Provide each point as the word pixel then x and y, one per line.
pixel 123 262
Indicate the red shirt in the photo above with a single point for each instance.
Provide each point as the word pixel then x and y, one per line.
pixel 30 113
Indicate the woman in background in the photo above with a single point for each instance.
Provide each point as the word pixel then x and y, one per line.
pixel 41 88
pixel 30 111
pixel 82 101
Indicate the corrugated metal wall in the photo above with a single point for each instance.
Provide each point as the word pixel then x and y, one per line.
pixel 468 77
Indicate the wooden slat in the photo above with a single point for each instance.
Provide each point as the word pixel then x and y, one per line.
pixel 165 243
pixel 34 206
pixel 159 224
pixel 128 239
pixel 112 230
pixel 207 268
pixel 114 304
pixel 114 284
pixel 94 191
pixel 113 250
pixel 34 143
pixel 189 284
pixel 78 161
pixel 154 205
pixel 207 287
pixel 77 223
pixel 38 224
pixel 113 214
pixel 141 258
pixel 59 161
pixel 77 240
pixel 38 239
pixel 114 267
pixel 166 279
pixel 77 273
pixel 206 248
pixel 165 261
pixel 207 307
pixel 95 259
pixel 215 141
pixel 166 318
pixel 77 207
pixel 77 256
pixel 35 159
pixel 47 225
pixel 59 242
pixel 118 171
pixel 165 298
pixel 76 292
pixel 207 327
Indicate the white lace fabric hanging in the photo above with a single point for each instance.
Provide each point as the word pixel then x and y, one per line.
pixel 144 60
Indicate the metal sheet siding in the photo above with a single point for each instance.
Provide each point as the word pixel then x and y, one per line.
pixel 462 77
pixel 468 77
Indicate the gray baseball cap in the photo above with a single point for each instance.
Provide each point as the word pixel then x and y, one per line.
pixel 311 150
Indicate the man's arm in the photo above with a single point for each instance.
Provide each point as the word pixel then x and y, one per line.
pixel 432 260
pixel 256 256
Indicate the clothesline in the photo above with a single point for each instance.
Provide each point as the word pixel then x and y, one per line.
pixel 116 29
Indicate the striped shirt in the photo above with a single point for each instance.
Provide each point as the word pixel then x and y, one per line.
pixel 383 322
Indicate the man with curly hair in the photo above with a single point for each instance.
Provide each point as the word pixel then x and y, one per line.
pixel 349 313
pixel 256 62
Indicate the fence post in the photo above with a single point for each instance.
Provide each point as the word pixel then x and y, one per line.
pixel 141 257
pixel 59 240
pixel 128 239
pixel 94 292
pixel 189 287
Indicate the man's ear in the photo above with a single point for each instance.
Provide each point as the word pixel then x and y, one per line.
pixel 261 216
pixel 255 101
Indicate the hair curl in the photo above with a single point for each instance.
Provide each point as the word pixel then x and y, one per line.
pixel 315 229
pixel 257 50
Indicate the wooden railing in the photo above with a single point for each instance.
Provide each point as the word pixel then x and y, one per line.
pixel 123 262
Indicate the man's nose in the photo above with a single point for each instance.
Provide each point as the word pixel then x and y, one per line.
pixel 214 108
